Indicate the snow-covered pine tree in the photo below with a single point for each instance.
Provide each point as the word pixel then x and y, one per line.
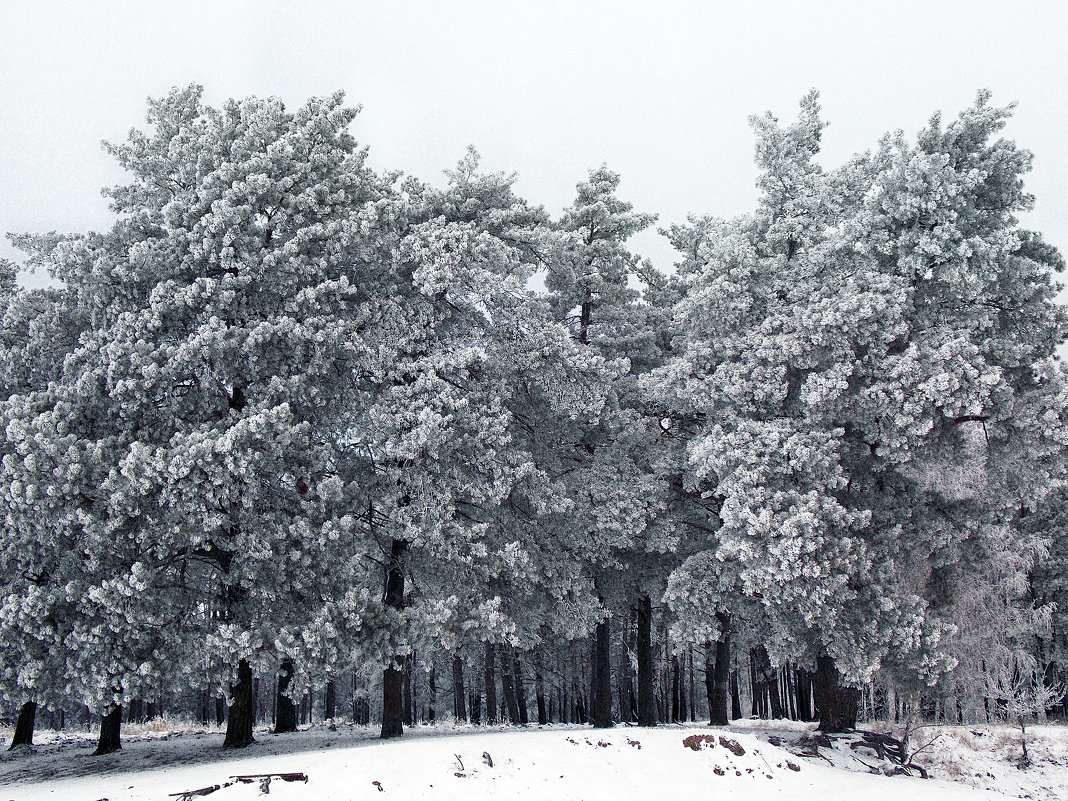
pixel 863 326
pixel 40 327
pixel 616 490
pixel 198 427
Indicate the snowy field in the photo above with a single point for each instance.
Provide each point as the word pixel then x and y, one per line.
pixel 558 763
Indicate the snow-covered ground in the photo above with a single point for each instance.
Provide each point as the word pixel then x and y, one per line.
pixel 559 762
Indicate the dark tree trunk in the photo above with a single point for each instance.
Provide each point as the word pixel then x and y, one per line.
pixel 286 711
pixel 135 712
pixel 788 692
pixel 392 702
pixel 520 690
pixel 256 700
pixel 151 712
pixel 491 685
pixel 539 692
pixel 474 706
pixel 677 703
pixel 803 690
pixel 330 701
pixel 459 709
pixel 240 712
pixel 766 678
pixel 110 725
pixel 601 686
pixel 220 711
pixel 508 685
pixel 431 710
pixel 717 673
pixel 24 725
pixel 392 678
pixel 837 704
pixel 690 684
pixel 408 710
pixel 646 696
pixel 736 697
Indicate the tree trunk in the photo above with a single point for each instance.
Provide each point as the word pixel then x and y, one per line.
pixel 803 689
pixel 717 673
pixel 286 711
pixel 520 690
pixel 110 725
pixel 601 686
pixel 646 696
pixel 508 685
pixel 768 679
pixel 491 685
pixel 539 691
pixel 135 712
pixel 690 684
pixel 431 711
pixel 408 710
pixel 330 701
pixel 392 678
pixel 240 711
pixel 837 704
pixel 736 697
pixel 676 691
pixel 474 706
pixel 24 725
pixel 220 711
pixel 459 709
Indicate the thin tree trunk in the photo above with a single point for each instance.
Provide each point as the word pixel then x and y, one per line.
pixel 474 706
pixel 392 678
pixel 520 690
pixel 459 709
pixel 24 725
pixel 768 678
pixel 689 684
pixel 508 685
pixel 601 687
pixel 676 691
pixel 240 712
pixel 408 690
pixel 644 647
pixel 285 719
pixel 110 726
pixel 431 711
pixel 539 691
pixel 736 696
pixel 491 685
pixel 837 704
pixel 220 710
pixel 135 712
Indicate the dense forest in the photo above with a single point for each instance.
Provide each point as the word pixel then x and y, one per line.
pixel 297 438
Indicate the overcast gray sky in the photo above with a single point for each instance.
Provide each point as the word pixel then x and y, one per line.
pixel 659 91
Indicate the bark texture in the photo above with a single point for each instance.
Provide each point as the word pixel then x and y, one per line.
pixel 24 725
pixel 240 714
pixel 646 694
pixel 392 677
pixel 110 726
pixel 285 719
pixel 717 674
pixel 491 685
pixel 601 689
pixel 837 704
